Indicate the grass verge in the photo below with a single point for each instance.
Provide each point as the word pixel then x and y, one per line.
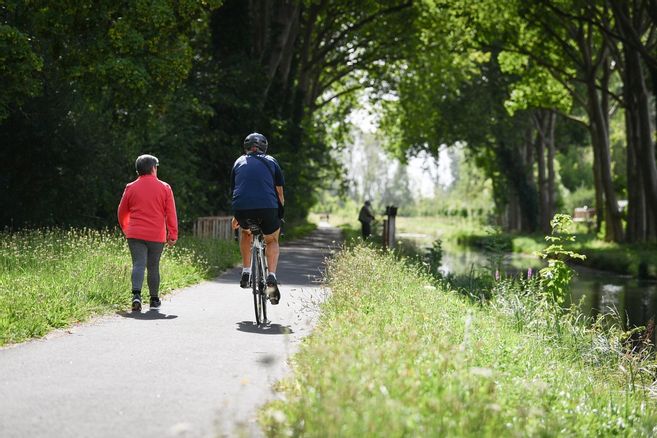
pixel 396 354
pixel 51 278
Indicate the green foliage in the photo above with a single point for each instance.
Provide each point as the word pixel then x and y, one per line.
pixel 575 166
pixel 297 230
pixel 90 87
pixel 399 355
pixel 556 276
pixel 19 69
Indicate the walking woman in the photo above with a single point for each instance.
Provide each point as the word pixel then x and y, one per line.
pixel 147 216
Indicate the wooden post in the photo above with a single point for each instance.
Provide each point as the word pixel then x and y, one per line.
pixel 389 227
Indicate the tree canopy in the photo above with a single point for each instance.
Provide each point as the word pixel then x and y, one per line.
pixel 88 86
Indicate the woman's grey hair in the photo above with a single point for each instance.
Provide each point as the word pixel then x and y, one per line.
pixel 145 163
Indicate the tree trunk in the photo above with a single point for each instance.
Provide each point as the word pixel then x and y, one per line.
pixel 629 17
pixel 599 191
pixel 518 188
pixel 282 37
pixel 646 149
pixel 544 220
pixel 600 137
pixel 636 213
pixel 514 218
pixel 551 191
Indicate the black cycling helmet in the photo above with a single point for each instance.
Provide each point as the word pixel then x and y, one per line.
pixel 145 163
pixel 256 140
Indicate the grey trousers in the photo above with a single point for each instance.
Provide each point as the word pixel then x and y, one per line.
pixel 145 255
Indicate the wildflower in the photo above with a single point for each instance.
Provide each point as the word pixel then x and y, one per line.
pixel 529 273
pixel 497 275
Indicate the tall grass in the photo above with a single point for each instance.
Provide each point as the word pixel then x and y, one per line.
pixel 53 278
pixel 396 354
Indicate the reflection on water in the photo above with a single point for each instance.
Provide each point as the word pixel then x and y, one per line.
pixel 597 292
pixel 601 293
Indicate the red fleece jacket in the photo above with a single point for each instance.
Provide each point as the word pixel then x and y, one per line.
pixel 148 211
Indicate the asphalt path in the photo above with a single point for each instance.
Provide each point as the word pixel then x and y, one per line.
pixel 198 367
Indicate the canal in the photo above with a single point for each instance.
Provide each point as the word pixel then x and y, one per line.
pixel 597 292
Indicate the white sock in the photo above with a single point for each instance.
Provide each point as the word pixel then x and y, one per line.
pixel 246 270
pixel 273 274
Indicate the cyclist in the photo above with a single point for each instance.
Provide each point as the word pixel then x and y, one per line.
pixel 256 186
pixel 147 215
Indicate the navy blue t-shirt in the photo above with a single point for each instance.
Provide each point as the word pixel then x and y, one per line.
pixel 254 180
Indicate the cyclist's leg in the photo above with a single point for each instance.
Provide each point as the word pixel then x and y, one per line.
pixel 272 251
pixel 245 248
pixel 243 217
pixel 271 228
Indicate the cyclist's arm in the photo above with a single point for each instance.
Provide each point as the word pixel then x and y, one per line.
pixel 279 190
pixel 232 181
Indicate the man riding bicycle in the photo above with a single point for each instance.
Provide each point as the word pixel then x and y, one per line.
pixel 256 185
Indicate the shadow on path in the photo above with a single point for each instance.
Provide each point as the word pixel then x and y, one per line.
pixel 148 315
pixel 269 329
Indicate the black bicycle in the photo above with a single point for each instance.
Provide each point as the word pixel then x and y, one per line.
pixel 259 274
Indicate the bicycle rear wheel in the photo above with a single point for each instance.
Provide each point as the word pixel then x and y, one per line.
pixel 263 300
pixel 256 280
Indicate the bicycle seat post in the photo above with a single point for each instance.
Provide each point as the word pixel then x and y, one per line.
pixel 254 228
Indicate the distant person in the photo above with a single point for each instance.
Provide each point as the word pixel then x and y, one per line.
pixel 147 215
pixel 366 216
pixel 256 185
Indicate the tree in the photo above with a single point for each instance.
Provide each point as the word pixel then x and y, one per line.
pixel 450 91
pixel 89 85
pixel 294 77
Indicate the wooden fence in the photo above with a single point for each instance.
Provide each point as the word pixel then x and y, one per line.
pixel 584 214
pixel 214 227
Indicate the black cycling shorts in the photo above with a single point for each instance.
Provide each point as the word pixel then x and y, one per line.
pixel 266 218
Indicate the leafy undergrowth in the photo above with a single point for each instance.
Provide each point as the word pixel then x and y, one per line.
pixel 52 278
pixel 396 354
pixel 297 230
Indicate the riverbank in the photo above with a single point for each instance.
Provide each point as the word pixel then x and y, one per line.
pixel 396 353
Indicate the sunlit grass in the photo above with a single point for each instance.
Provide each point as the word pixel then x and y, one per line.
pixel 53 278
pixel 395 354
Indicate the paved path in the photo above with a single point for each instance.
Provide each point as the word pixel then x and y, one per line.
pixel 198 367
